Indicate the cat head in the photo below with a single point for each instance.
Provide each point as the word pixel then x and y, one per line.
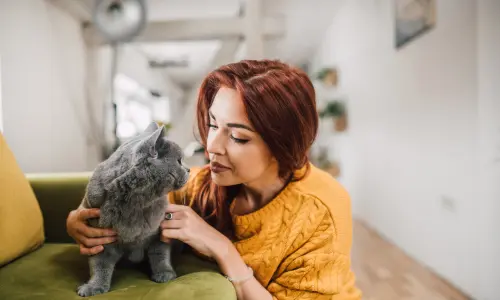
pixel 157 157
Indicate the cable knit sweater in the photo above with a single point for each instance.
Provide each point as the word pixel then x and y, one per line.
pixel 299 243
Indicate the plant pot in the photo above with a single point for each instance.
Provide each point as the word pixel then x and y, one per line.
pixel 328 76
pixel 340 123
pixel 333 170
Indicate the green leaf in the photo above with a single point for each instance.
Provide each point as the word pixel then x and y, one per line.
pixel 334 108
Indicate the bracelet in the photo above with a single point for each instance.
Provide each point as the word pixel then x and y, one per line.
pixel 243 279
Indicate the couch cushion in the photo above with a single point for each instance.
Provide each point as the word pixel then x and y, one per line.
pixel 21 223
pixel 56 270
pixel 58 194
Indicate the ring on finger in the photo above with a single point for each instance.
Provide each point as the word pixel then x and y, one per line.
pixel 169 216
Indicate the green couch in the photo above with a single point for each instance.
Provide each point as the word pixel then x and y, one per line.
pixel 55 269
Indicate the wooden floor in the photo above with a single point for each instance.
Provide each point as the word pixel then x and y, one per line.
pixel 384 272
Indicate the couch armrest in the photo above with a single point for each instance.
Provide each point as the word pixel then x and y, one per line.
pixel 57 195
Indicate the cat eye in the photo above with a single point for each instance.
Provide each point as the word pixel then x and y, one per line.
pixel 179 161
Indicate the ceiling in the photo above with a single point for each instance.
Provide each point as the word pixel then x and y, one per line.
pixel 194 58
pixel 305 22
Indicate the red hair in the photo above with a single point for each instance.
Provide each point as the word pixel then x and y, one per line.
pixel 280 102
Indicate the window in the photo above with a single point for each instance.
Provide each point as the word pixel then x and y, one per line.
pixel 137 107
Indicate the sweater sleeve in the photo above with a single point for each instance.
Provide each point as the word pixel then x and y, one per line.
pixel 316 270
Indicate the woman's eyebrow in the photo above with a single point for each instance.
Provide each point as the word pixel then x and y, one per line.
pixel 234 125
pixel 238 125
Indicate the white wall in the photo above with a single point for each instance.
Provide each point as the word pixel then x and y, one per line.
pixel 1 113
pixel 413 162
pixel 488 13
pixel 43 68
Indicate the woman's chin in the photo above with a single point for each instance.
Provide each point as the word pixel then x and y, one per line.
pixel 221 179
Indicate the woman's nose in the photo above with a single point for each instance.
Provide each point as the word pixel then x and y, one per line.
pixel 216 145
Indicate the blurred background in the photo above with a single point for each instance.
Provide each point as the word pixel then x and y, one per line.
pixel 408 92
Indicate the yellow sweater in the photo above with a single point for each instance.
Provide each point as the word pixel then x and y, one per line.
pixel 298 244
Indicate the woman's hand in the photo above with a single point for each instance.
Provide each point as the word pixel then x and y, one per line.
pixel 188 227
pixel 89 238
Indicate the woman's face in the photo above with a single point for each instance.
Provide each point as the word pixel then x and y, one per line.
pixel 237 153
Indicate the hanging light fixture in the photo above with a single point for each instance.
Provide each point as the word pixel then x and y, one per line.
pixel 118 21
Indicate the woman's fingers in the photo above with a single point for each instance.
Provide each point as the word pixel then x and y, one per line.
pixel 169 234
pixel 175 215
pixel 92 242
pixel 172 224
pixel 90 251
pixel 96 232
pixel 104 240
pixel 91 239
pixel 173 208
pixel 88 231
pixel 88 213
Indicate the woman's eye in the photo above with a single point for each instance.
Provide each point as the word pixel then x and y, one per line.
pixel 212 126
pixel 239 141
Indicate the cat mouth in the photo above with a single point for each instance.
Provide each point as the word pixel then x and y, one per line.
pixel 179 182
pixel 182 182
pixel 173 176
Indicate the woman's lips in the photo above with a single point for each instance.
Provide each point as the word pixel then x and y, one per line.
pixel 218 168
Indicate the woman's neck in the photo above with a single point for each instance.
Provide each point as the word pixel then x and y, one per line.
pixel 256 194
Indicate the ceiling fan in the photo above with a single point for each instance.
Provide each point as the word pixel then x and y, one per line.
pixel 119 22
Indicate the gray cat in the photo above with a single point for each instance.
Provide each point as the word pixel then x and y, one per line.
pixel 130 189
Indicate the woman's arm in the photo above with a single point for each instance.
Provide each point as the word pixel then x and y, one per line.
pixel 232 265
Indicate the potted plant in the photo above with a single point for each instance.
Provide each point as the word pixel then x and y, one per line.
pixel 324 163
pixel 336 110
pixel 328 76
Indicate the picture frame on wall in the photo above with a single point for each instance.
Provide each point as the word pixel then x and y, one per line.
pixel 412 18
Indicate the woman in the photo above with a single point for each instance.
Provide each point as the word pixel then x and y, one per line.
pixel 278 227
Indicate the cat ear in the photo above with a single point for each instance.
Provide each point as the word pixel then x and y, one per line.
pixel 151 128
pixel 151 142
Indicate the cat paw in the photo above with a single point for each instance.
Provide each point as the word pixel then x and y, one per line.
pixel 163 276
pixel 88 290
